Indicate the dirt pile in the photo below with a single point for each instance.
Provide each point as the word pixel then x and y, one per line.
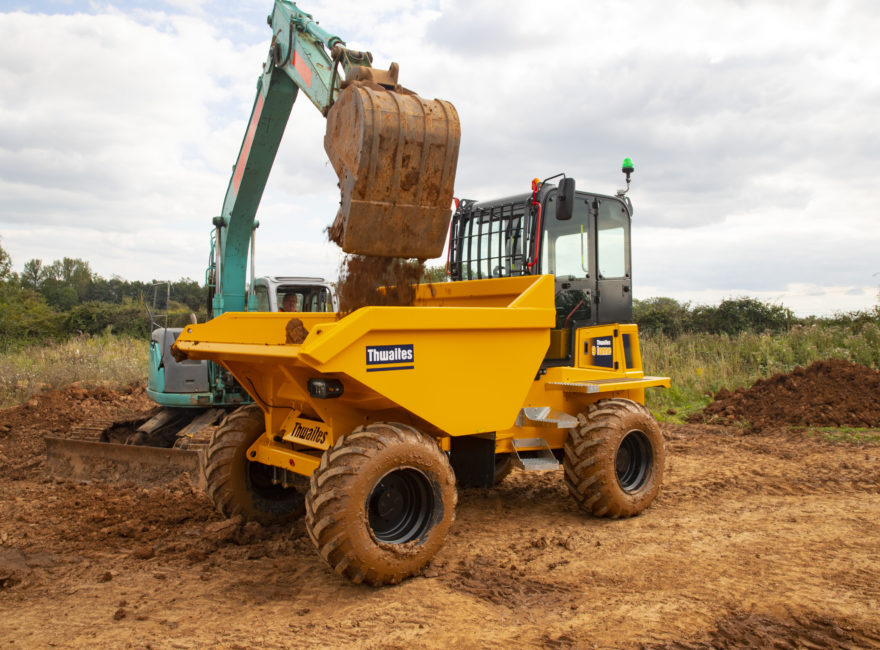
pixel 377 281
pixel 60 413
pixel 827 393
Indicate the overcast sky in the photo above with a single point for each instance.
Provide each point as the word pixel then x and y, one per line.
pixel 752 125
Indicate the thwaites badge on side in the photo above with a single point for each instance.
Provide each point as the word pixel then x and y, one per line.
pixel 603 352
pixel 310 432
pixel 390 357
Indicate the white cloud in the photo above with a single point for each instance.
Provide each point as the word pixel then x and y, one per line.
pixel 751 125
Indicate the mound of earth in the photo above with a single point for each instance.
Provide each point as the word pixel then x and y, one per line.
pixel 60 413
pixel 827 393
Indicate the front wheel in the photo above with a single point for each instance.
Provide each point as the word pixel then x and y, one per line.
pixel 380 503
pixel 238 486
pixel 614 458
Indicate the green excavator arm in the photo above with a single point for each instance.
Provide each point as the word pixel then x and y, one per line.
pixel 395 153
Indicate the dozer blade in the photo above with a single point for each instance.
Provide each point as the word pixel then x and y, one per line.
pixel 86 460
pixel 395 154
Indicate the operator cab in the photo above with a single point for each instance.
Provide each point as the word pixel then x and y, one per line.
pixel 588 253
pixel 294 294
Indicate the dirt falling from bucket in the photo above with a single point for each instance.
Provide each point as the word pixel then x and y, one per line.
pixel 377 281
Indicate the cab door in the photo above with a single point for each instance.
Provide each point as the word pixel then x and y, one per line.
pixel 613 294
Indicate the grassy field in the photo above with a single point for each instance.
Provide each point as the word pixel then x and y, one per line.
pixel 106 360
pixel 699 364
pixel 702 364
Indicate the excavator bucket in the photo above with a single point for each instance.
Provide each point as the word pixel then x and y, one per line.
pixel 395 154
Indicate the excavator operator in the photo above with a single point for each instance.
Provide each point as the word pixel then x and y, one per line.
pixel 289 303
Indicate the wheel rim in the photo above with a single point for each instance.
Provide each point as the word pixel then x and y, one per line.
pixel 400 508
pixel 633 461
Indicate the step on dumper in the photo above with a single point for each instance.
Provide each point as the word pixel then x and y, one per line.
pixel 393 392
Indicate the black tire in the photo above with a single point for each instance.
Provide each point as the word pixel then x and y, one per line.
pixel 238 486
pixel 614 458
pixel 380 503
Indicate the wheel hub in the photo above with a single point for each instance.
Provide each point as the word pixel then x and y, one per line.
pixel 633 461
pixel 400 508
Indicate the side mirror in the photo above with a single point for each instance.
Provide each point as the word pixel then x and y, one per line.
pixel 565 199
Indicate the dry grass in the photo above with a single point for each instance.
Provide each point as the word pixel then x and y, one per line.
pixel 104 360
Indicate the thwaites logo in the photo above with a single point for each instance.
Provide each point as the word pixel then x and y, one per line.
pixel 390 357
pixel 309 433
pixel 603 353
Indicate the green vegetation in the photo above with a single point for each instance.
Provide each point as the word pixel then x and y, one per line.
pixel 52 302
pixel 110 361
pixel 706 348
pixel 58 321
pixel 671 318
pixel 850 435
pixel 702 364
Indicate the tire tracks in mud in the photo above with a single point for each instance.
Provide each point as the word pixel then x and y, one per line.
pixel 759 539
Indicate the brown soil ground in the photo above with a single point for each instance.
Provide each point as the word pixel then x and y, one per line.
pixel 762 540
pixel 827 393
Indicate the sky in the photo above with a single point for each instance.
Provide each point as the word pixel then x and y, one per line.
pixel 752 126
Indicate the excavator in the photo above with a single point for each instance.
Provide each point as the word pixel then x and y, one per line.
pixel 395 154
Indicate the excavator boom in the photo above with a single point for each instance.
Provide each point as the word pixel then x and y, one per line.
pixel 395 153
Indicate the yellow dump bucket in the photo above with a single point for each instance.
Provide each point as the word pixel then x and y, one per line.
pixel 395 154
pixel 461 359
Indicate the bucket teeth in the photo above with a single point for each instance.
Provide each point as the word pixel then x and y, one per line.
pixel 395 154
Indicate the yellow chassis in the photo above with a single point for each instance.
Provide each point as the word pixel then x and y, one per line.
pixel 464 360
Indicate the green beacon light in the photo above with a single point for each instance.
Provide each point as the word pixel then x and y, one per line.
pixel 627 168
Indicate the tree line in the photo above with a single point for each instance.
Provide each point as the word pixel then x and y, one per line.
pixel 670 318
pixel 65 297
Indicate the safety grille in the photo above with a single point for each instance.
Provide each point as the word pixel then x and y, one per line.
pixel 492 242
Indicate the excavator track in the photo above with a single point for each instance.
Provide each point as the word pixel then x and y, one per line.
pixel 110 429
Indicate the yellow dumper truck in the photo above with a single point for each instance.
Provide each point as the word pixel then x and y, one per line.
pixel 524 360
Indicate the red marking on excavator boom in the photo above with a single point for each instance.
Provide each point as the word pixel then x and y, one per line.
pixel 246 146
pixel 303 68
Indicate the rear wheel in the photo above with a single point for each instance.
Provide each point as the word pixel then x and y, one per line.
pixel 238 486
pixel 381 503
pixel 614 458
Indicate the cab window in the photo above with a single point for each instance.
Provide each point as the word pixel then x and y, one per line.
pixel 262 294
pixel 307 299
pixel 566 250
pixel 612 240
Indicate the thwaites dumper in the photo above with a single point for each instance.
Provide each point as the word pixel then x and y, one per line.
pixel 525 361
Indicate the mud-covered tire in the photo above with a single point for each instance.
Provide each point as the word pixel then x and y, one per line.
pixel 614 458
pixel 238 486
pixel 381 503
